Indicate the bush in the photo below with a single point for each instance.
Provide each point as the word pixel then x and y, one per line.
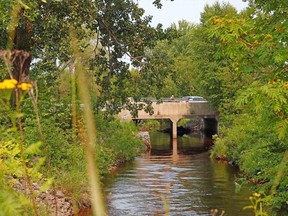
pixel 120 145
pixel 252 143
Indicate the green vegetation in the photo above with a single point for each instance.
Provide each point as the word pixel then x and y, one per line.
pixel 238 61
pixel 147 125
pixel 53 154
pixel 62 65
pixel 60 68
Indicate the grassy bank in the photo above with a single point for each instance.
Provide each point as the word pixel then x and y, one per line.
pixel 42 145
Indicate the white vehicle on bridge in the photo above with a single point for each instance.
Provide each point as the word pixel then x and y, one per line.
pixel 194 99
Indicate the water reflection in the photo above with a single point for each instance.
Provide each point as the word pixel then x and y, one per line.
pixel 175 156
pixel 175 178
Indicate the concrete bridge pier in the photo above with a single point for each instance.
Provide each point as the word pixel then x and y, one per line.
pixel 174 127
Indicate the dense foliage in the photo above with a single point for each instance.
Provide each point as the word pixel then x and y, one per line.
pixel 45 135
pixel 238 61
pixel 257 140
pixel 109 31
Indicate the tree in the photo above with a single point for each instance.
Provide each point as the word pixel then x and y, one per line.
pixel 190 55
pixel 257 136
pixel 43 40
pixel 114 29
pixel 217 75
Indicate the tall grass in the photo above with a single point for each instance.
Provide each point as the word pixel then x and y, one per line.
pixel 92 169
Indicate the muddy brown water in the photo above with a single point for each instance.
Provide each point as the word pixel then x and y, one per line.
pixel 175 181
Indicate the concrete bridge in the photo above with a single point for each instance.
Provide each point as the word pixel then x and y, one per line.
pixel 176 110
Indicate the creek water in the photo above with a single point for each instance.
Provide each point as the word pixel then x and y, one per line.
pixel 175 178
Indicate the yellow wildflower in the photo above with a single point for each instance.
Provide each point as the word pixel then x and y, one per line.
pixel 24 86
pixel 256 42
pixel 256 194
pixel 8 84
pixel 216 20
pixel 272 44
pixel 268 36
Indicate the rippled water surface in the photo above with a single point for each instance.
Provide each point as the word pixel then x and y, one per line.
pixel 173 181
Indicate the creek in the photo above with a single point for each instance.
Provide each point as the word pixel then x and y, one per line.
pixel 175 181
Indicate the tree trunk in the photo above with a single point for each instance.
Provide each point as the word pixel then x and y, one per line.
pixel 21 61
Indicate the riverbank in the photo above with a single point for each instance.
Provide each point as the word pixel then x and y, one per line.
pixel 61 201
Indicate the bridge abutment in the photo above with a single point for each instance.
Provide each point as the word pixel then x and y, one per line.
pixel 210 126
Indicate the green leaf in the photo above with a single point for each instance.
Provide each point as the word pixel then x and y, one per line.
pixel 40 162
pixel 281 129
pixel 47 184
pixel 277 107
pixel 23 5
pixel 33 148
pixel 278 58
pixel 248 69
pixel 248 207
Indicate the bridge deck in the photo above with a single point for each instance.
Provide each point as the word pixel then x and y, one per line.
pixel 175 110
